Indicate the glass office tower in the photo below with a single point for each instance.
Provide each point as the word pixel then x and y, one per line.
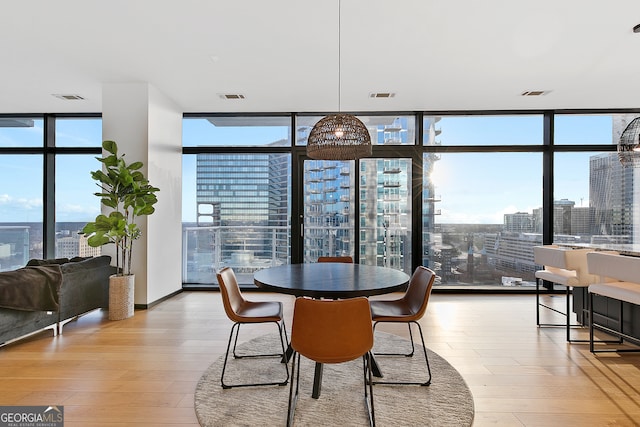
pixel 242 214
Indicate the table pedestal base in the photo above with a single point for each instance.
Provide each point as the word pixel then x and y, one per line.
pixel 317 377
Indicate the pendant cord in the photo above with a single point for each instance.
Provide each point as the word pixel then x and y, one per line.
pixel 339 56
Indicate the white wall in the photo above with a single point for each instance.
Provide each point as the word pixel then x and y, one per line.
pixel 148 127
pixel 164 236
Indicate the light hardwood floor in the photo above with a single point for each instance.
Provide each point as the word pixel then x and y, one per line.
pixel 143 371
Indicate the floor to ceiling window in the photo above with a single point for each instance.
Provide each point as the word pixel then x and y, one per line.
pixel 361 208
pixel 329 194
pixel 236 188
pixel 385 225
pixel 595 197
pixel 487 218
pixel 465 194
pixel 21 204
pixel 482 199
pixel 470 199
pixel 75 202
pixel 46 192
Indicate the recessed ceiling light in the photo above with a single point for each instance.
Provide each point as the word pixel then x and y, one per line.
pixel 68 97
pixel 382 95
pixel 231 96
pixel 535 92
pixel 636 29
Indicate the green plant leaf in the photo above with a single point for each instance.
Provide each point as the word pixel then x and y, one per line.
pixel 127 192
pixel 135 166
pixel 110 146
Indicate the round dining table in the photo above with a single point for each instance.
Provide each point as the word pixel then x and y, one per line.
pixel 332 280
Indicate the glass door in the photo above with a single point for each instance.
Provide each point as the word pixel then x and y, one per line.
pixel 358 208
pixel 385 212
pixel 329 196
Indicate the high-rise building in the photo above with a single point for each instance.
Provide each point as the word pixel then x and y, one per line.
pixel 329 209
pixel 74 245
pixel 385 230
pixel 382 203
pixel 583 220
pixel 435 255
pixel 614 192
pixel 611 194
pixel 15 248
pixel 244 200
pixel 562 210
pixel 519 222
pixel 245 189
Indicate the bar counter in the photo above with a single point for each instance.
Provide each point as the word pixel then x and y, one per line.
pixel 631 249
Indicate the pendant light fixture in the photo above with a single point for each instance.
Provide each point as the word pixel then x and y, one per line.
pixel 629 144
pixel 339 136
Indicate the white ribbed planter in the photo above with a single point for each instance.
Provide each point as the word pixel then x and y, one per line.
pixel 121 292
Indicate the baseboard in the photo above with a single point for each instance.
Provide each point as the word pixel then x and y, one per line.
pixel 156 302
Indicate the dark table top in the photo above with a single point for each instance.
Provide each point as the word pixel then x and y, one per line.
pixel 331 280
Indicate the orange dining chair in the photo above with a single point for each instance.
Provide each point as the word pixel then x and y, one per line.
pixel 241 311
pixel 344 259
pixel 331 331
pixel 408 309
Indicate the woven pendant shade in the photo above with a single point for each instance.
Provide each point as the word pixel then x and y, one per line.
pixel 629 144
pixel 339 137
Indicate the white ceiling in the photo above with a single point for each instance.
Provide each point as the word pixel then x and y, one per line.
pixel 285 55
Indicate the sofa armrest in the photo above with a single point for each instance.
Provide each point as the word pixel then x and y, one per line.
pixel 85 286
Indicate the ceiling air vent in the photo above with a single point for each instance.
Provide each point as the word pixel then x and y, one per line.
pixel 535 92
pixel 68 97
pixel 382 95
pixel 231 96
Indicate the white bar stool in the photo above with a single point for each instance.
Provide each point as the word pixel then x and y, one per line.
pixel 567 267
pixel 619 279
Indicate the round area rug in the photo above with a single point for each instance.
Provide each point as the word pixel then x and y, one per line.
pixel 446 402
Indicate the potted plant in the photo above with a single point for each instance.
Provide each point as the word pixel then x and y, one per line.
pixel 126 191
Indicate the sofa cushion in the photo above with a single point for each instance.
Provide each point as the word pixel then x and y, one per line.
pixel 86 264
pixel 33 288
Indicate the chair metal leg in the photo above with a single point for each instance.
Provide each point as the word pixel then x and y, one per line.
pixel 569 325
pixel 293 396
pixel 537 301
pixel 540 304
pixel 568 310
pixel 317 380
pixel 236 328
pixel 410 354
pixel 295 378
pixel 368 382
pixel 286 337
pixel 426 358
pixel 235 341
pixel 591 324
pixel 567 314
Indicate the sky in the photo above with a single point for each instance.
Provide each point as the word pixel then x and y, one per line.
pixel 479 188
pixel 474 187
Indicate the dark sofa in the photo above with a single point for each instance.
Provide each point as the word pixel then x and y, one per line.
pixel 83 287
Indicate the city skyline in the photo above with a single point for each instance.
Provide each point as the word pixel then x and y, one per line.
pixel 75 201
pixel 237 234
